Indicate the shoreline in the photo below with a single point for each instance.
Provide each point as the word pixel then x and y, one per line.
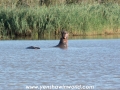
pixel 57 37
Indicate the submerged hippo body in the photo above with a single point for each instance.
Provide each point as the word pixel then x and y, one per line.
pixel 63 40
pixel 32 47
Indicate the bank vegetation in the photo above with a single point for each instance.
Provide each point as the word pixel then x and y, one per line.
pixel 42 19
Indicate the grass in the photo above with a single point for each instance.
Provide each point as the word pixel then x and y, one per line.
pixel 83 19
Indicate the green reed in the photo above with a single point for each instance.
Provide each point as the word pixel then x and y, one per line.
pixel 83 19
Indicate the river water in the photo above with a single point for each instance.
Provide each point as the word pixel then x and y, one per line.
pixel 86 62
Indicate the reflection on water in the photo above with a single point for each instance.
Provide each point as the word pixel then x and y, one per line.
pixel 85 62
pixel 56 37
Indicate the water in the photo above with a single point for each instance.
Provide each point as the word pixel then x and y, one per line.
pixel 88 62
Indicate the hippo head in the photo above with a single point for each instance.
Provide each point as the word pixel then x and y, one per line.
pixel 64 34
pixel 63 43
pixel 32 47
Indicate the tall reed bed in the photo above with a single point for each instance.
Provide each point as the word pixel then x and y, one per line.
pixel 83 19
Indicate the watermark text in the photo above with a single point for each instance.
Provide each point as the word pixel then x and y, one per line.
pixel 62 87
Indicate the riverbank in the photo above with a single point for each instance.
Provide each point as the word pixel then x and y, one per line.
pixel 78 19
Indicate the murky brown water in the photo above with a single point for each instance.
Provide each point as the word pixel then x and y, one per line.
pixel 94 62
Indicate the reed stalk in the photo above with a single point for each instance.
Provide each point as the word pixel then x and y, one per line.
pixel 78 19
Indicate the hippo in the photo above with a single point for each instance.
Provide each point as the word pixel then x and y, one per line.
pixel 32 47
pixel 63 44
